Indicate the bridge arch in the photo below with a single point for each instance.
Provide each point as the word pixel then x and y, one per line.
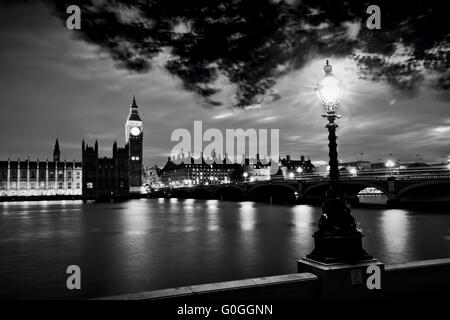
pixel 274 193
pixel 229 186
pixel 350 188
pixel 229 192
pixel 435 187
pixel 268 185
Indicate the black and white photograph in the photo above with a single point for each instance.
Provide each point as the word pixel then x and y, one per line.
pixel 224 156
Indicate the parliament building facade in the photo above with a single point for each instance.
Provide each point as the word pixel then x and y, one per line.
pixel 22 178
pixel 120 175
pixel 92 178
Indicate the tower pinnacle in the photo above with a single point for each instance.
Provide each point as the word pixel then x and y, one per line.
pixel 134 115
pixel 134 104
pixel 56 152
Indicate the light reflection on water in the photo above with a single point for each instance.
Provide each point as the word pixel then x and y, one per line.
pixel 150 244
pixel 395 226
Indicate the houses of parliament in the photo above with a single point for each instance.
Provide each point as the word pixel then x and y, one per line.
pixel 92 178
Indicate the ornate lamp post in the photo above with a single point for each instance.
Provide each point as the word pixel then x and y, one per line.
pixel 337 239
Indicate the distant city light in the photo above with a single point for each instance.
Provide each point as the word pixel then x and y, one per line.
pixel 390 164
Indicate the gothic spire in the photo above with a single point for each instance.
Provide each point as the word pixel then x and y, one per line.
pixel 56 152
pixel 134 104
pixel 134 115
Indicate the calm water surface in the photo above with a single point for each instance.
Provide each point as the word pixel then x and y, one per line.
pixel 150 244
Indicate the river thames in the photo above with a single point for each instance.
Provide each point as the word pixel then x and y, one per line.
pixel 148 244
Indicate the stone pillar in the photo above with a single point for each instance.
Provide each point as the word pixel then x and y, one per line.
pixel 65 177
pixel 343 281
pixel 28 175
pixel 392 192
pixel 18 174
pixel 46 174
pixel 8 175
pixel 56 177
pixel 38 183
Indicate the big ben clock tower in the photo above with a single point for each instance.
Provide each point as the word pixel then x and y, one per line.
pixel 134 135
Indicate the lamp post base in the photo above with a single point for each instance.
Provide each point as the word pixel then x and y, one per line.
pixel 337 239
pixel 329 248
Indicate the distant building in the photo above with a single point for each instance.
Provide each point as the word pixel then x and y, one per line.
pixel 134 136
pixel 120 175
pixel 41 178
pixel 290 168
pixel 191 173
pixel 93 177
pixel 257 171
pixel 105 177
pixel 150 177
pixel 358 165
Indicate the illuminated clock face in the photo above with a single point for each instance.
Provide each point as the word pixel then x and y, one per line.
pixel 135 131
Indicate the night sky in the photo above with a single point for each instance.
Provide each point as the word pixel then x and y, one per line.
pixel 54 85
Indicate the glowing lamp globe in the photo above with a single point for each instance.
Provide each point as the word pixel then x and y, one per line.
pixel 329 89
pixel 390 164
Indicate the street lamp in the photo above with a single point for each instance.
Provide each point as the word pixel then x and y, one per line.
pixel 245 175
pixel 337 239
pixel 390 164
pixel 299 171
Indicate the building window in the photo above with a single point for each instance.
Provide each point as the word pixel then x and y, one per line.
pixel 3 174
pixel 78 185
pixel 90 185
pixel 60 175
pixel 78 174
pixel 69 185
pixel 69 174
pixel 60 185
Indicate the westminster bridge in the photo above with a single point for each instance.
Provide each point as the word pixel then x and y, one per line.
pixel 399 187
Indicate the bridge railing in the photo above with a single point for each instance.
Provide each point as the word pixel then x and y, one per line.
pixel 413 173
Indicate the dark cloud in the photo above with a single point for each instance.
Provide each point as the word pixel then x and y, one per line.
pixel 55 87
pixel 254 42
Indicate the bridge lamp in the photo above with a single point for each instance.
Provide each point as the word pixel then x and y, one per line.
pixel 291 175
pixel 353 172
pixel 390 164
pixel 337 239
pixel 245 175
pixel 299 170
